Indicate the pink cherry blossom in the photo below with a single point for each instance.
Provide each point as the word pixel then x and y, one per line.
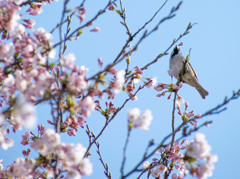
pixel 142 121
pixel 152 83
pixel 161 168
pixel 18 2
pixel 88 102
pixel 133 114
pixel 145 120
pixel 155 173
pixel 42 35
pixel 7 51
pixel 47 143
pixel 4 141
pixel 85 167
pixel 25 138
pixel 36 9
pixel 179 100
pixel 23 167
pixel 23 114
pixel 71 132
pixel 145 165
pixel 174 176
pixel 175 87
pixel 119 80
pixel 77 82
pixel 30 23
pixel 68 60
pixel 13 22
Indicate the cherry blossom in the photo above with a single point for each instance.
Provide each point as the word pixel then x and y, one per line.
pixel 145 165
pixel 142 121
pixel 133 114
pixel 4 141
pixel 155 173
pixel 117 86
pixel 68 60
pixel 85 167
pixel 161 168
pixel 23 114
pixel 152 83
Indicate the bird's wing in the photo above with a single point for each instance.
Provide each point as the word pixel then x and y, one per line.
pixel 195 74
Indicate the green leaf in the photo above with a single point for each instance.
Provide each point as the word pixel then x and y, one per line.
pixel 118 11
pixel 79 32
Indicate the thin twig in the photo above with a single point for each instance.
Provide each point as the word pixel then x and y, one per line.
pixel 124 151
pixel 173 112
pixel 86 24
pixel 150 19
pixel 66 20
pixel 90 136
pixel 117 60
pixel 113 116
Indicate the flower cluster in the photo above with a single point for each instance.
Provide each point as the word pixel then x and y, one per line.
pixel 71 158
pixel 22 114
pixel 173 155
pixel 199 161
pixel 136 120
pixel 4 141
pixel 186 116
pixel 21 168
pixel 170 88
pixel 118 81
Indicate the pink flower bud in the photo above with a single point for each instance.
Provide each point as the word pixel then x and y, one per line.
pixel 82 10
pixel 100 62
pixel 81 17
pixel 95 29
pixel 180 44
pixel 180 84
pixel 134 98
pixel 139 71
pixel 113 71
pixel 192 123
pixel 198 116
pixel 110 7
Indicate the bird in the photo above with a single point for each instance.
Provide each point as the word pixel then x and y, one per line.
pixel 176 63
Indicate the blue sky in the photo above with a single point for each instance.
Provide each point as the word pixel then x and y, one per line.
pixel 214 43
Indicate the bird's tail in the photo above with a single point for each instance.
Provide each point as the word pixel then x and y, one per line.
pixel 202 91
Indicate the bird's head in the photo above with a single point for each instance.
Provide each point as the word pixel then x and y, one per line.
pixel 175 51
